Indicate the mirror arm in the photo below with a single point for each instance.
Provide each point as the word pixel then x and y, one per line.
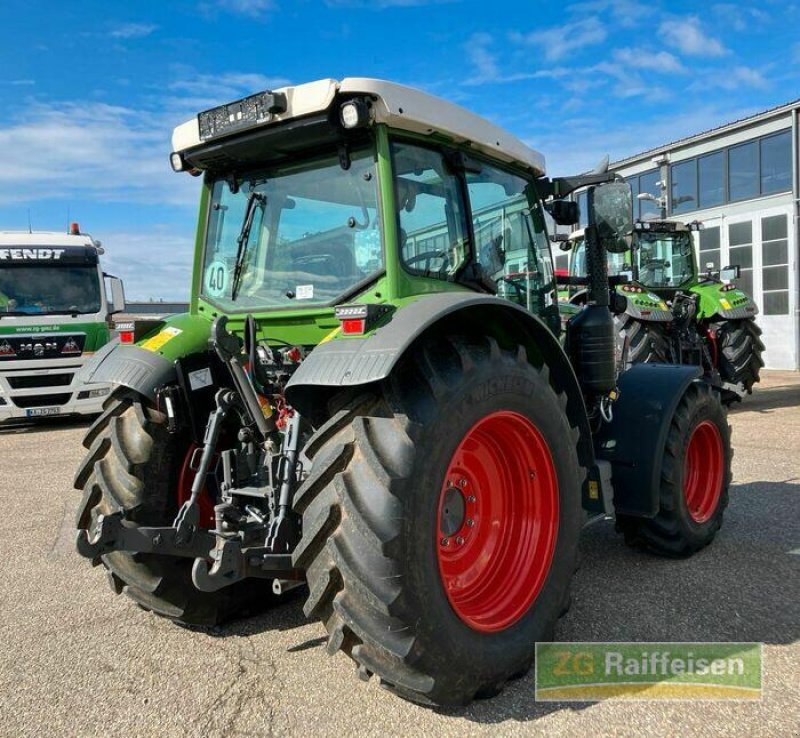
pixel 562 186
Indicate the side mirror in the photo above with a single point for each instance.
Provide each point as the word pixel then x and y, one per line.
pixel 117 295
pixel 564 212
pixel 565 245
pixel 730 273
pixel 613 216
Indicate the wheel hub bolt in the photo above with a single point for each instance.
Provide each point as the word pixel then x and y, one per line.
pixel 462 483
pixel 460 541
pixel 471 498
pixel 445 541
pixel 470 522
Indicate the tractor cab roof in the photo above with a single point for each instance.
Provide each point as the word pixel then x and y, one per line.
pixel 395 105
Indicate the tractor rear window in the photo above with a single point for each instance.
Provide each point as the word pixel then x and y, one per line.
pixel 665 259
pixel 293 236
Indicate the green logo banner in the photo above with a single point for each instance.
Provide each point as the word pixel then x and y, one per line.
pixel 647 671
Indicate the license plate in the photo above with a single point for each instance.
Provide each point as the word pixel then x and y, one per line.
pixel 38 412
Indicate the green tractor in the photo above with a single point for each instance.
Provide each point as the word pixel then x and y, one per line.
pixel 369 395
pixel 668 311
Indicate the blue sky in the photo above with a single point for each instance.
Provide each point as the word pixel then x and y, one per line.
pixel 91 90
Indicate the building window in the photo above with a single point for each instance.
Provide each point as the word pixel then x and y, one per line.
pixel 776 163
pixel 775 265
pixel 743 171
pixel 740 240
pixel 711 176
pixel 649 182
pixel 709 249
pixel 684 186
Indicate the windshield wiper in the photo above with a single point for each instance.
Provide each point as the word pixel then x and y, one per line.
pixel 253 199
pixel 3 313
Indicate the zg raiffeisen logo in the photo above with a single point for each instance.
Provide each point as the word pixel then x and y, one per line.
pixel 648 671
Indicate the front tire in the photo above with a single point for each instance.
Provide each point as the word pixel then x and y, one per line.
pixel 646 341
pixel 695 476
pixel 396 478
pixel 740 348
pixel 133 465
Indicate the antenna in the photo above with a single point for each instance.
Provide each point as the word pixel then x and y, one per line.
pixel 30 228
pixel 68 214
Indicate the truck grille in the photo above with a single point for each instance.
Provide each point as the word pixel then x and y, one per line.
pixel 41 380
pixel 42 400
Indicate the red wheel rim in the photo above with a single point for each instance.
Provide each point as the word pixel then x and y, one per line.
pixel 497 521
pixel 703 471
pixel 205 502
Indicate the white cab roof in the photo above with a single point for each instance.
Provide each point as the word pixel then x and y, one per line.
pixel 399 107
pixel 44 238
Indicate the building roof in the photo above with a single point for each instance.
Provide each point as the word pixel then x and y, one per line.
pixel 397 106
pixel 711 132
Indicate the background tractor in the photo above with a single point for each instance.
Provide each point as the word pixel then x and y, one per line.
pixel 369 394
pixel 668 310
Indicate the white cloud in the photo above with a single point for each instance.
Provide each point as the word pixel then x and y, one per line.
pixel 89 150
pixel 133 30
pixel 20 82
pixel 625 13
pixel 731 79
pixel 560 41
pixel 153 264
pixel 383 4
pixel 740 17
pixel 248 8
pixel 644 58
pixel 687 36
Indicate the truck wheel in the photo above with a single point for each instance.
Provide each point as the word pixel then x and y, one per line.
pixel 740 348
pixel 695 475
pixel 441 520
pixel 135 466
pixel 646 341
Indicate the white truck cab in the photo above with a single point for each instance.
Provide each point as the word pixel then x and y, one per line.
pixel 54 314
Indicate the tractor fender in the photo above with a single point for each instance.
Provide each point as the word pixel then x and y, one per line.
pixel 645 306
pixel 150 363
pixel 714 303
pixel 635 439
pixel 128 366
pixel 352 362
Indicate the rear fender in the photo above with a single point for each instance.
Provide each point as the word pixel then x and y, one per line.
pixel 714 303
pixel 634 441
pixel 150 363
pixel 644 306
pixel 360 363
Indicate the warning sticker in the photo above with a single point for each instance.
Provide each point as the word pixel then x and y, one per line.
pixel 304 292
pixel 725 303
pixel 163 336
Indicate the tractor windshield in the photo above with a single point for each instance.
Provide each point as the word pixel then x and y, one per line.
pixel 311 237
pixel 664 259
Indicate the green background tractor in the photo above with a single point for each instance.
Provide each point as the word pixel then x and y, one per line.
pixel 369 395
pixel 671 311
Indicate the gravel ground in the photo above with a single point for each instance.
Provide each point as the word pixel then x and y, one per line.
pixel 78 661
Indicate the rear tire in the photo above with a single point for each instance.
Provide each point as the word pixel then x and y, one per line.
pixel 740 349
pixel 373 513
pixel 133 466
pixel 646 341
pixel 695 476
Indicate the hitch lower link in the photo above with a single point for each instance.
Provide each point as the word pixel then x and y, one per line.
pixel 219 562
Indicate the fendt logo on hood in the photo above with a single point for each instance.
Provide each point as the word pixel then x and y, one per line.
pixel 31 254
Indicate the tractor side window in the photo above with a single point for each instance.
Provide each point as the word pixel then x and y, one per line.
pixel 511 243
pixel 431 215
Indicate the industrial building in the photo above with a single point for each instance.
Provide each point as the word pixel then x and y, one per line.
pixel 741 180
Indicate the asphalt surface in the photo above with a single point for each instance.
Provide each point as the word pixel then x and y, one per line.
pixel 76 660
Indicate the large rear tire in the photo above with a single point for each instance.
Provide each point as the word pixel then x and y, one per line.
pixel 739 348
pixel 646 341
pixel 695 476
pixel 133 465
pixel 441 520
